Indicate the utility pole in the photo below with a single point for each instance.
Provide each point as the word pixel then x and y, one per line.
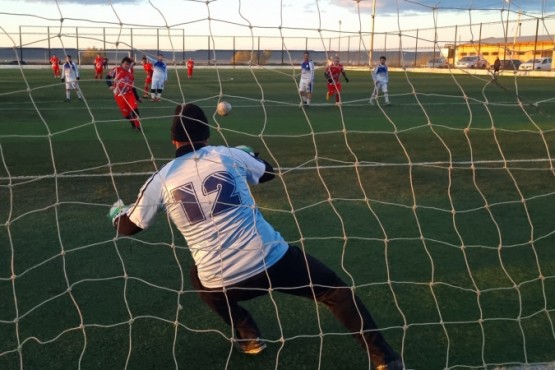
pixel 507 29
pixel 372 33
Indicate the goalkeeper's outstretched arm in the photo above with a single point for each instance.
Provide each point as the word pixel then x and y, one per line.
pixel 120 219
pixel 125 226
pixel 269 172
pixel 119 212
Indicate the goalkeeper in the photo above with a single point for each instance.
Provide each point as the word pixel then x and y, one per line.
pixel 238 255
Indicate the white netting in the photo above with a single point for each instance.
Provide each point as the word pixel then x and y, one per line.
pixel 437 210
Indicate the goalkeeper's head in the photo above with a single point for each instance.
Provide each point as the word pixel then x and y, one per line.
pixel 189 124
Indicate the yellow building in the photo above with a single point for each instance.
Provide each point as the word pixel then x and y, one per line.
pixel 522 48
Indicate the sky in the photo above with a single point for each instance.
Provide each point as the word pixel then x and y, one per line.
pixel 287 18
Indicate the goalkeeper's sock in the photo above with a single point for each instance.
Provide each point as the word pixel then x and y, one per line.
pixel 68 95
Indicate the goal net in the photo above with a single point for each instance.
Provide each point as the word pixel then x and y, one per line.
pixel 436 209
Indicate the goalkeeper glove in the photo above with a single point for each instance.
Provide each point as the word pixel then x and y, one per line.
pixel 346 79
pixel 62 80
pixel 118 209
pixel 78 78
pixel 247 149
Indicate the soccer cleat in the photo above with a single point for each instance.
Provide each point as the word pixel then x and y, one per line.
pixel 371 101
pixel 250 347
pixel 387 103
pixel 66 101
pixel 393 365
pixel 145 95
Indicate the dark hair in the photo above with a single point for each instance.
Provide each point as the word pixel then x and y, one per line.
pixel 189 124
pixel 126 59
pixel 383 57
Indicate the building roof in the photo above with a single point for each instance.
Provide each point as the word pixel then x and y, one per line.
pixel 512 40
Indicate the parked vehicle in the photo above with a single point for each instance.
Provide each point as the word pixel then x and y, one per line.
pixel 539 64
pixel 437 63
pixel 471 62
pixel 510 64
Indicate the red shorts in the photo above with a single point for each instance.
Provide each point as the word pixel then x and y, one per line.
pixel 126 103
pixel 333 88
pixel 99 70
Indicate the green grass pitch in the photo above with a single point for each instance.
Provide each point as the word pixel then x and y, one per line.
pixel 447 234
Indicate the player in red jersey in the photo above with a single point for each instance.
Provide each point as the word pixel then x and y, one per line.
pixel 55 62
pixel 149 69
pixel 121 80
pixel 190 67
pixel 98 67
pixel 333 74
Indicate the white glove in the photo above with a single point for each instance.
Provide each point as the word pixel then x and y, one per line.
pixel 246 149
pixel 118 209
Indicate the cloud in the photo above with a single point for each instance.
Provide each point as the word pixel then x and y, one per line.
pixel 425 6
pixel 88 2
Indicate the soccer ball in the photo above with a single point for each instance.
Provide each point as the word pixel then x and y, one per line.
pixel 223 108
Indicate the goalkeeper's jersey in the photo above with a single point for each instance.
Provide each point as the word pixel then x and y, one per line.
pixel 206 194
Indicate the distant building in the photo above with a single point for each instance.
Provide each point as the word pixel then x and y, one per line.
pixel 522 48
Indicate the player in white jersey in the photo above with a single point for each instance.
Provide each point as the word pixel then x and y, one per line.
pixel 380 76
pixel 238 255
pixel 70 77
pixel 306 82
pixel 159 77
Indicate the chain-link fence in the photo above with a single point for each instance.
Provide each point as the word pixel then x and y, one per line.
pixel 518 37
